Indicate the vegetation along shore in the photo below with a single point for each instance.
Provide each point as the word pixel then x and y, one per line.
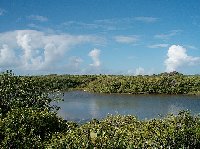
pixel 164 83
pixel 28 120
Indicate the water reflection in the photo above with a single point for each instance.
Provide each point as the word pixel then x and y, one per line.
pixel 78 105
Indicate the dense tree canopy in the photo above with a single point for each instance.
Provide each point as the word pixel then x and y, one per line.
pixel 164 83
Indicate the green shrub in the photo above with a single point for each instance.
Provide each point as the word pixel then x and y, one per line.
pixel 27 119
pixel 29 127
pixel 180 131
pixel 17 92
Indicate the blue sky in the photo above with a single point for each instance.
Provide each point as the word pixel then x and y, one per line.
pixel 127 37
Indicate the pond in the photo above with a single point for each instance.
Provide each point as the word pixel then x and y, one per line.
pixel 83 106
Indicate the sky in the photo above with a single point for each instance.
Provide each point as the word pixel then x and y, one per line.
pixel 125 37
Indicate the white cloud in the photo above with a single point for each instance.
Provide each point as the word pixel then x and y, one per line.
pixel 168 35
pixel 75 61
pixel 73 66
pixel 7 57
pixel 158 46
pixel 94 54
pixel 23 40
pixel 177 57
pixel 126 39
pixel 38 18
pixel 139 71
pixel 35 50
pixel 146 19
pixel 2 12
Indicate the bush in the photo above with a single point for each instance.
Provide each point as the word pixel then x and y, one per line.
pixel 27 119
pixel 180 131
pixel 17 92
pixel 29 127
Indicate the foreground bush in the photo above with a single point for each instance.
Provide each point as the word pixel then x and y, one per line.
pixel 29 127
pixel 27 119
pixel 21 92
pixel 182 131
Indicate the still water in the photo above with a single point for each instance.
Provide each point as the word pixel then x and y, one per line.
pixel 83 106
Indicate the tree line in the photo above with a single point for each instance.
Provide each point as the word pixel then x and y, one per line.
pixel 164 83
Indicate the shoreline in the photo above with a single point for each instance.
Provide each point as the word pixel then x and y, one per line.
pixel 139 93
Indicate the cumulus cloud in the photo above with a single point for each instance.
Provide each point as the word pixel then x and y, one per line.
pixel 38 18
pixel 158 46
pixel 23 41
pixel 7 57
pixel 75 61
pixel 73 65
pixel 94 54
pixel 126 39
pixel 35 50
pixel 177 57
pixel 146 19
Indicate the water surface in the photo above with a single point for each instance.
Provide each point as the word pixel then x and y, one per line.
pixel 83 106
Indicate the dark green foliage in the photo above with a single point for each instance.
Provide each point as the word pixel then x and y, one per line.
pixel 29 127
pixel 164 83
pixel 64 82
pixel 16 92
pixel 180 131
pixel 167 83
pixel 26 116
